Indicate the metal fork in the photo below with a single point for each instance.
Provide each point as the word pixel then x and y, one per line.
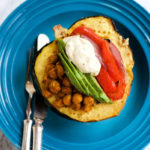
pixel 28 122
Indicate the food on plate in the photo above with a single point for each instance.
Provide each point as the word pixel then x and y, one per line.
pixel 86 73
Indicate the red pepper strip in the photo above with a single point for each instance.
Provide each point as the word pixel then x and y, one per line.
pixel 105 81
pixel 114 71
pixel 120 91
pixel 110 78
pixel 109 61
pixel 87 32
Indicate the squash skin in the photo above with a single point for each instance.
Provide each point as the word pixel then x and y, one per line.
pixel 100 111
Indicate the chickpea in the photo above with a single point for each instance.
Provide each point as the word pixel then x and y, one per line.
pixel 46 80
pixel 76 106
pixel 67 100
pixel 46 93
pixel 54 86
pixel 66 90
pixel 88 101
pixel 87 108
pixel 77 98
pixel 52 73
pixel 66 82
pixel 53 59
pixel 58 103
pixel 49 67
pixel 60 71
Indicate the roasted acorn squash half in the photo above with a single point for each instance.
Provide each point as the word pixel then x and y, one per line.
pixel 104 27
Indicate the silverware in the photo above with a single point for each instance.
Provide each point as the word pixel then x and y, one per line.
pixel 42 40
pixel 28 122
pixel 40 110
pixel 40 113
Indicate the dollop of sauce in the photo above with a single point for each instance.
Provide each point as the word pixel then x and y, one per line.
pixel 81 52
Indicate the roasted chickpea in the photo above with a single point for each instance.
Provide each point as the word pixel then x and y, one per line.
pixel 77 98
pixel 67 100
pixel 87 108
pixel 60 71
pixel 54 86
pixel 58 103
pixel 76 106
pixel 49 67
pixel 46 80
pixel 88 101
pixel 53 59
pixel 52 73
pixel 66 82
pixel 46 93
pixel 66 90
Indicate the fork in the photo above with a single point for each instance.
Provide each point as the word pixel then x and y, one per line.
pixel 28 122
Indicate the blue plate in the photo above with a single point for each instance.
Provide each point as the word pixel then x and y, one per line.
pixel 130 130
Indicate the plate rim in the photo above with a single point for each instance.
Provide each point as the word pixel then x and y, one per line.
pixel 11 15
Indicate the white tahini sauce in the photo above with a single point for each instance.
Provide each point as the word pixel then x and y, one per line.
pixel 81 52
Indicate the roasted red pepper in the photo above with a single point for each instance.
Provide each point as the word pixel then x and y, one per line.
pixel 111 76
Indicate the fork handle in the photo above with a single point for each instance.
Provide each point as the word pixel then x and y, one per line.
pixel 37 135
pixel 26 134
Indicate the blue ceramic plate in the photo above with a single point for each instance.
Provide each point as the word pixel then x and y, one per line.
pixel 130 130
